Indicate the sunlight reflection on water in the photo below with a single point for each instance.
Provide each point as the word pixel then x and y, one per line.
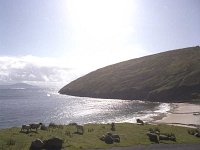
pixel 19 107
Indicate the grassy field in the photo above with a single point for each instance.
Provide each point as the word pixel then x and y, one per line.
pixel 130 134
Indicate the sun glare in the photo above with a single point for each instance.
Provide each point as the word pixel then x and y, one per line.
pixel 100 21
pixel 100 29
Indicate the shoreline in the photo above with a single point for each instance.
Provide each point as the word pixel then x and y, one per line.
pixel 180 114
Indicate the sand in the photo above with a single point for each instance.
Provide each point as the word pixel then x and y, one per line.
pixel 182 114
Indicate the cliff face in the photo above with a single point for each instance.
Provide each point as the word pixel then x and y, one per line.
pixel 172 76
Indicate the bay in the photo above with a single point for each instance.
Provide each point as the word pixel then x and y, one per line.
pixel 27 105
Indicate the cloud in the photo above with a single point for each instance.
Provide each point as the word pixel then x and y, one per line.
pixel 35 69
pixel 100 33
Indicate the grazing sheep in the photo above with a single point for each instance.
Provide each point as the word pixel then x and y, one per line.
pixel 102 138
pixel 91 130
pixel 195 132
pixel 80 129
pixel 113 126
pixel 35 126
pixel 140 121
pixel 25 127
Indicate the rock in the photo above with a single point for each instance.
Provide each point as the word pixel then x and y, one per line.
pixel 116 138
pixel 173 138
pixel 37 145
pixel 197 134
pixel 108 139
pixel 108 133
pixel 153 137
pixel 163 137
pixel 53 143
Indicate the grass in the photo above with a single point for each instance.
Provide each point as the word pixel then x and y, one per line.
pixel 130 134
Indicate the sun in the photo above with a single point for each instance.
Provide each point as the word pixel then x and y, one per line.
pixel 100 20
pixel 100 29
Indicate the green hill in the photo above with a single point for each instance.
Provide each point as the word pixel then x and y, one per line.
pixel 172 76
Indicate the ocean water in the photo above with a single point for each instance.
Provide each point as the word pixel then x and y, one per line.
pixel 23 106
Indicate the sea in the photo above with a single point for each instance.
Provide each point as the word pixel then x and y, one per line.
pixel 44 104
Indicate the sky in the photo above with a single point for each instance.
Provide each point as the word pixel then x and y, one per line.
pixel 74 37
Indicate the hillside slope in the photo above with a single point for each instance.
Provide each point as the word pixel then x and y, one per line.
pixel 172 76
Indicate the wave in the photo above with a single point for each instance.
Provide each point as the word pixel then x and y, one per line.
pixel 146 115
pixel 163 108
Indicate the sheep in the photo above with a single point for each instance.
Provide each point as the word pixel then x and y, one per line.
pixel 113 126
pixel 140 121
pixel 25 127
pixel 35 126
pixel 79 128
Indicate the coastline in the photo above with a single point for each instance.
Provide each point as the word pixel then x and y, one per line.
pixel 180 114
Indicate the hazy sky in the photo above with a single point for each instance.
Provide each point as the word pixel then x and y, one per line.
pixel 94 33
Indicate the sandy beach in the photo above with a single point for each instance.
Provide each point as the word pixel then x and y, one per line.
pixel 183 114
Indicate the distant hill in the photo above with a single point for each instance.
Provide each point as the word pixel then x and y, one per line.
pixel 172 76
pixel 18 86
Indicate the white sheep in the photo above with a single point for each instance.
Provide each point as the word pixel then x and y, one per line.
pixel 35 126
pixel 25 127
